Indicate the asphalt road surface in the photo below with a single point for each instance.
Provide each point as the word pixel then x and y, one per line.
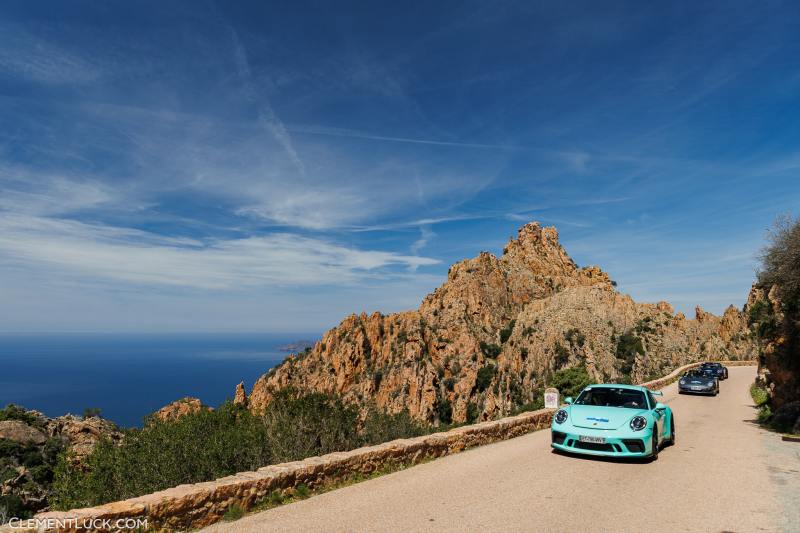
pixel 724 474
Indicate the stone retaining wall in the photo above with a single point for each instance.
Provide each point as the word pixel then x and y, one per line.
pixel 201 504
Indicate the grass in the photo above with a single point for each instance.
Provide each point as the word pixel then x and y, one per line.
pixel 234 512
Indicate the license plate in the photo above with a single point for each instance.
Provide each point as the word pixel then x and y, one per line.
pixel 697 388
pixel 596 440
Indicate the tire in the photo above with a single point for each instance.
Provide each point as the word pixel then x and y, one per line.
pixel 654 453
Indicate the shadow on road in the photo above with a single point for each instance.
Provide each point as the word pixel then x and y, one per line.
pixel 603 459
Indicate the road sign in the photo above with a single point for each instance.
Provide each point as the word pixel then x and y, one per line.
pixel 551 398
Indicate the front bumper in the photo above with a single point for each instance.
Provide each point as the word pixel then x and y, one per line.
pixel 617 443
pixel 697 389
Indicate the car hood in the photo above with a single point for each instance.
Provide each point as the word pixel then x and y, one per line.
pixel 597 417
pixel 698 381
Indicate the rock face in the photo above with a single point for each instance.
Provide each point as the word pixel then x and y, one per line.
pixel 179 408
pixel 21 433
pixel 489 339
pixel 29 447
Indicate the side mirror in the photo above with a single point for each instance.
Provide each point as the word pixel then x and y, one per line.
pixel 657 393
pixel 568 400
pixel 660 406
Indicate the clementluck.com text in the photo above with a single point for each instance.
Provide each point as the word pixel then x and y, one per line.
pixel 91 524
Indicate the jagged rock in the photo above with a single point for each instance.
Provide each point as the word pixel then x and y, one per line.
pixel 240 398
pixel 82 434
pixel 528 313
pixel 179 408
pixel 20 432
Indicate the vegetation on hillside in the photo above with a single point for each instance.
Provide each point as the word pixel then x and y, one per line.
pixel 778 330
pixel 206 445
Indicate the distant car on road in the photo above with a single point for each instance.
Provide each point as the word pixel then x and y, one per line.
pixel 613 420
pixel 699 381
pixel 720 370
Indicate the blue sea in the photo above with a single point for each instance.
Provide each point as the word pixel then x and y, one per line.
pixel 129 376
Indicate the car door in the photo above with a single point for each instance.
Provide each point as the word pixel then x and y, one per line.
pixel 658 416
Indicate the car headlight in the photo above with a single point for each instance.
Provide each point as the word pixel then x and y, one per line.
pixel 561 416
pixel 683 382
pixel 710 383
pixel 638 423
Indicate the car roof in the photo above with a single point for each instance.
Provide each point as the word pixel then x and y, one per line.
pixel 617 386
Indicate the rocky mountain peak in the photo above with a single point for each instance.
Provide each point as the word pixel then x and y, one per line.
pixel 495 333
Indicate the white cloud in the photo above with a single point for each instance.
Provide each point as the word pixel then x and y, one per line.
pixel 133 256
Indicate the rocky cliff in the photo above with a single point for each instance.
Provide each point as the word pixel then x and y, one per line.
pixel 491 337
pixel 29 447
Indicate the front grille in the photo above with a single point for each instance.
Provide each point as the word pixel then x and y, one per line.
pixel 634 445
pixel 558 437
pixel 594 446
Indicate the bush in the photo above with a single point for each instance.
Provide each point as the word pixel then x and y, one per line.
pixel 91 412
pixel 196 447
pixel 444 411
pixel 472 413
pixel 234 512
pixel 575 337
pixel 571 381
pixel 506 332
pixel 211 444
pixel 484 377
pixel 12 412
pixel 561 355
pixel 759 394
pixel 490 350
pixel 382 427
pixel 628 346
pixel 300 425
pixel 780 260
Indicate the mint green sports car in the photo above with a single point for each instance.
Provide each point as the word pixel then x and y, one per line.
pixel 614 420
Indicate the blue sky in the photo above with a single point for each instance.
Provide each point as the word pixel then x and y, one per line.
pixel 188 166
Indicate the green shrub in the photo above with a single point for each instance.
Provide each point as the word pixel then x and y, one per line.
pixel 444 410
pixel 571 381
pixel 575 337
pixel 628 346
pixel 472 413
pixel 490 350
pixel 484 377
pixel 12 412
pixel 300 425
pixel 561 357
pixel 91 412
pixel 302 491
pixel 506 332
pixel 382 427
pixel 759 394
pixel 197 447
pixel 234 512
pixel 450 384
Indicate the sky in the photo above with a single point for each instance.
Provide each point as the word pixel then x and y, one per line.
pixel 274 166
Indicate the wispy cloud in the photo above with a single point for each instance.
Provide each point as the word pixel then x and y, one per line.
pixel 134 256
pixel 266 115
pixel 25 55
pixel 342 132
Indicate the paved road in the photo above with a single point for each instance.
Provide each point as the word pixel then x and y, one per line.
pixel 724 474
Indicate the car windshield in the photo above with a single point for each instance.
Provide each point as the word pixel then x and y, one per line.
pixel 612 397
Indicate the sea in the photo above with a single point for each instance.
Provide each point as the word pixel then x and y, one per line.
pixel 128 376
